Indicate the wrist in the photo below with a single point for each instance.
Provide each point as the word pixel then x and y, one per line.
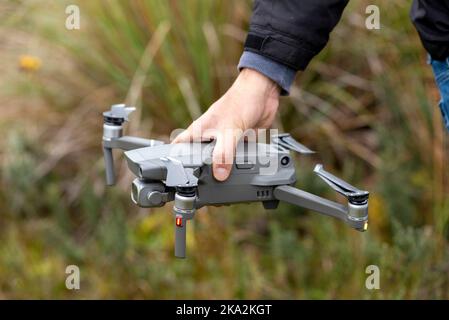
pixel 258 81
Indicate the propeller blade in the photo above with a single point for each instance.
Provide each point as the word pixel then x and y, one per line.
pixel 286 141
pixel 338 184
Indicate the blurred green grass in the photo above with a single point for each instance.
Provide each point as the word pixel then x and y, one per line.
pixel 367 104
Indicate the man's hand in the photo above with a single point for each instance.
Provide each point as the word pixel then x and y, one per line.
pixel 250 103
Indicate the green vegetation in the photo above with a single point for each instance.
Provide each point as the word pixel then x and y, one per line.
pixel 367 104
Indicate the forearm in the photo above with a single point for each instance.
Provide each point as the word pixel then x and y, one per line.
pixel 292 32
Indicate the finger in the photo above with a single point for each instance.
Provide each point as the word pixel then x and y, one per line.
pixel 223 155
pixel 192 133
pixel 184 136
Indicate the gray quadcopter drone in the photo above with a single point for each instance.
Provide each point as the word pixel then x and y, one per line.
pixel 183 173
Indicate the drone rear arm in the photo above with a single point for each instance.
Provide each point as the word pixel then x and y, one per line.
pixel 310 201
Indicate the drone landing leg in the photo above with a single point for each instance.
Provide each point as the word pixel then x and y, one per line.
pixel 183 210
pixel 180 236
pixel 109 166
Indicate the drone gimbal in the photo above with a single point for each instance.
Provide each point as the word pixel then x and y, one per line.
pixel 183 173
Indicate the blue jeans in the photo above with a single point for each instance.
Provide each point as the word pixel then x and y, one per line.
pixel 441 71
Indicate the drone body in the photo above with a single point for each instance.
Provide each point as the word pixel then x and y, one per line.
pixel 253 176
pixel 183 173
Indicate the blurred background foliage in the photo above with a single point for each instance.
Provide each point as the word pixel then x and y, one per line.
pixel 367 104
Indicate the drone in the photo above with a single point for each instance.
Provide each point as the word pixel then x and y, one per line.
pixel 182 173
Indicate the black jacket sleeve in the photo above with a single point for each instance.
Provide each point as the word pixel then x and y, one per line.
pixel 292 32
pixel 431 19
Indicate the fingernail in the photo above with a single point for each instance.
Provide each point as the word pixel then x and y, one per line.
pixel 220 173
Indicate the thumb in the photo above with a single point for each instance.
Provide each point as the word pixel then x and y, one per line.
pixel 223 154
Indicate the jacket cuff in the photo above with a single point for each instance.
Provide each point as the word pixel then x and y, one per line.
pixel 280 48
pixel 279 73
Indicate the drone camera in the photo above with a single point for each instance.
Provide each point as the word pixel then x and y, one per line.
pixel 148 194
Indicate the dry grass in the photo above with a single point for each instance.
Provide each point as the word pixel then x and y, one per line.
pixel 367 104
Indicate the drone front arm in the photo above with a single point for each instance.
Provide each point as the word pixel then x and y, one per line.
pixel 310 201
pixel 127 143
pixel 124 143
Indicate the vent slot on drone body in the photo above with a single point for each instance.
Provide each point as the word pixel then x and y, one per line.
pixel 262 194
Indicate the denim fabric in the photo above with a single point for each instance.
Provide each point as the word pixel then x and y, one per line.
pixel 441 71
pixel 277 72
